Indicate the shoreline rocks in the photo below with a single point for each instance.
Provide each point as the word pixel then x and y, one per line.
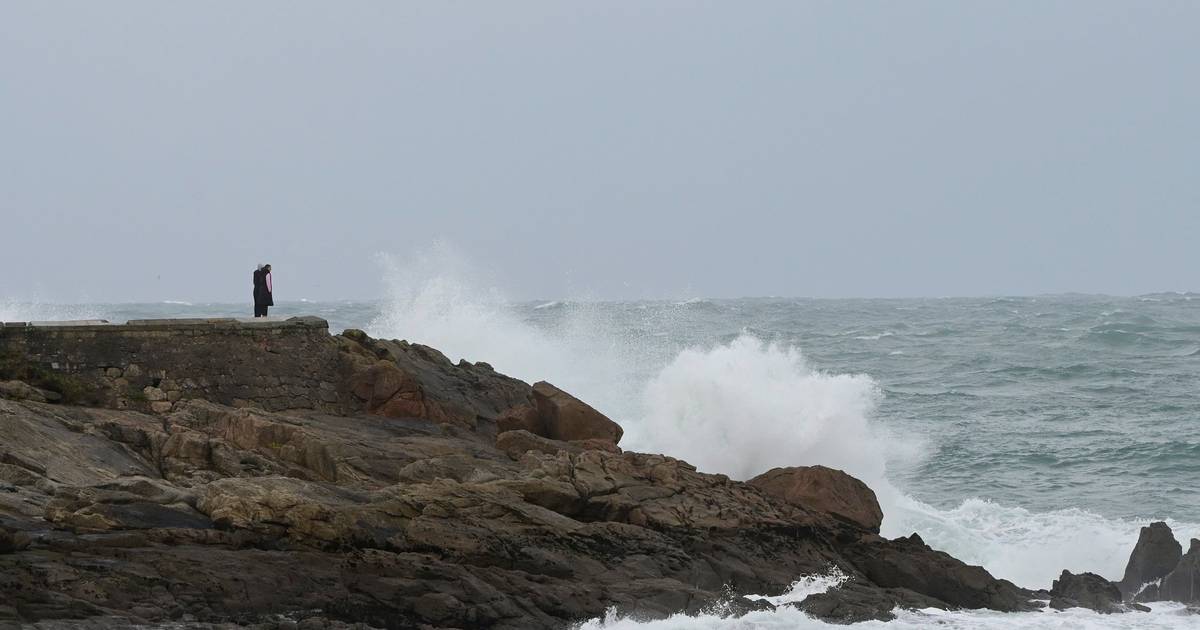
pixel 348 480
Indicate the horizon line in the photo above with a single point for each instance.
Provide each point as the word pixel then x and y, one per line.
pixel 679 300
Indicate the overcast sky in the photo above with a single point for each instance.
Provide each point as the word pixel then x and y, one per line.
pixel 155 151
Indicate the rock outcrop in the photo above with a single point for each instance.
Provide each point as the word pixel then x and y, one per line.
pixel 908 563
pixel 1088 590
pixel 348 480
pixel 826 490
pixel 1156 554
pixel 1182 584
pixel 855 602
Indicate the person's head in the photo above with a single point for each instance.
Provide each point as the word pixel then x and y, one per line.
pixel 267 268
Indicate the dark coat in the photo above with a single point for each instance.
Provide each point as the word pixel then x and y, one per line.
pixel 262 295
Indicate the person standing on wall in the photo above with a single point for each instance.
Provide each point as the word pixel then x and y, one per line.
pixel 262 290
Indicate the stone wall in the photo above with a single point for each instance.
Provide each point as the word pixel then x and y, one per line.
pixel 150 365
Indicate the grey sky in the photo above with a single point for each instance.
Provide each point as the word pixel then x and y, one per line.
pixel 159 150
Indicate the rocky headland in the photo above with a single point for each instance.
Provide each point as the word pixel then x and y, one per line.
pixel 270 474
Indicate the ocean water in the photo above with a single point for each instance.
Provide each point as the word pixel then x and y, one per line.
pixel 1026 434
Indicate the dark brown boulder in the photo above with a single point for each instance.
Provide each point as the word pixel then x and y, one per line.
pixel 567 418
pixel 1156 554
pixel 826 490
pixel 1088 590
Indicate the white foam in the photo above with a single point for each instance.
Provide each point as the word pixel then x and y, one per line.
pixel 747 406
pixel 783 618
pixel 1163 616
pixel 805 586
pixel 719 617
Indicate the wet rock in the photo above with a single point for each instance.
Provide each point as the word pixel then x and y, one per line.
pixel 824 489
pixel 1156 554
pixel 909 563
pixel 567 418
pixel 740 606
pixel 855 602
pixel 1088 590
pixel 1182 584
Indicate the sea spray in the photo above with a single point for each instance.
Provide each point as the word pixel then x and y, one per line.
pixel 12 310
pixel 831 578
pixel 438 299
pixel 747 406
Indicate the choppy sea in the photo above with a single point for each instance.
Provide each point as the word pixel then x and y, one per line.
pixel 1025 434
